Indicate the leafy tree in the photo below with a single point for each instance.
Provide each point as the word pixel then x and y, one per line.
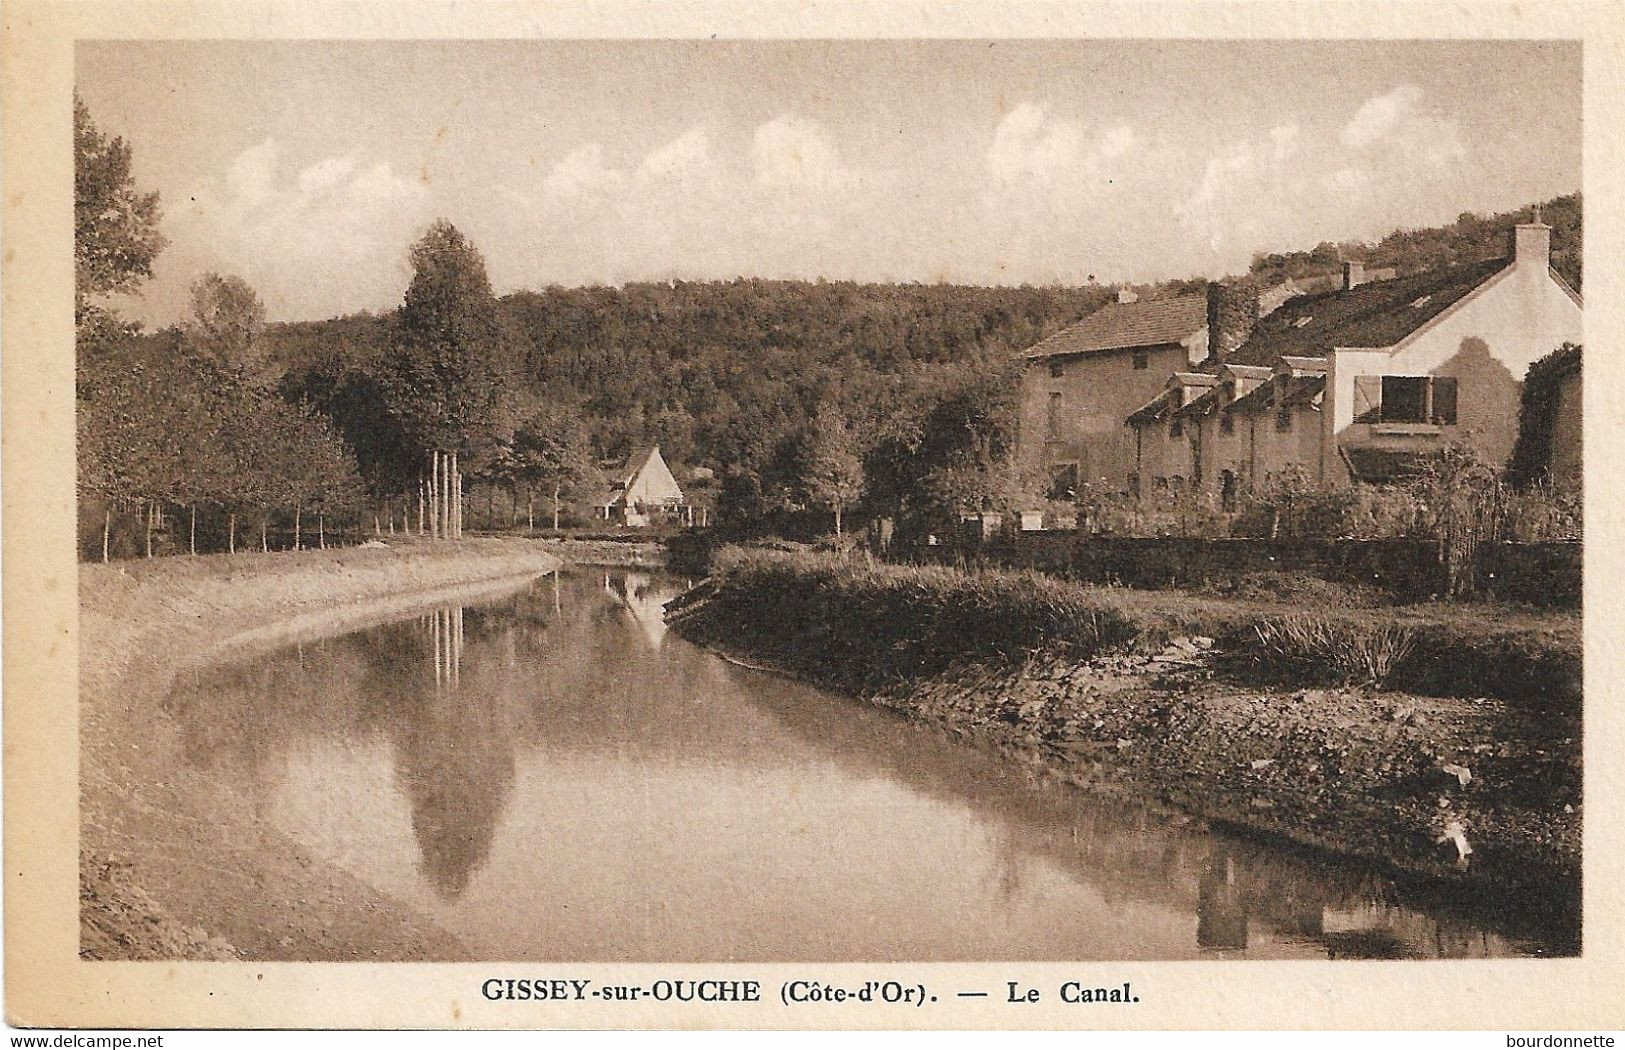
pixel 445 379
pixel 831 472
pixel 115 226
pixel 227 322
pixel 551 450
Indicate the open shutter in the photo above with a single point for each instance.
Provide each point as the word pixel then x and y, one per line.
pixel 1367 399
pixel 1444 400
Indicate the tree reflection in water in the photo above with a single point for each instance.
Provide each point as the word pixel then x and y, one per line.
pixel 563 720
pixel 454 761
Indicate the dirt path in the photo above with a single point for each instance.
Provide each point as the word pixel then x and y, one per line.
pixel 176 864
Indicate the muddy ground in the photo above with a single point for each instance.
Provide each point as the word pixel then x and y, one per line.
pixel 174 864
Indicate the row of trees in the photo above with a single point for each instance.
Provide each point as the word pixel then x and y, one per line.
pixel 188 418
pixel 208 416
pixel 1469 238
pixel 167 422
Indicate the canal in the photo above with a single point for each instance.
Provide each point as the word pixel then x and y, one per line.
pixel 551 774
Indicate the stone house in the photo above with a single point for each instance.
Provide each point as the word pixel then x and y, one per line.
pixel 1080 383
pixel 1364 378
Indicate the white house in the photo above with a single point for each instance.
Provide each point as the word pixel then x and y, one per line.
pixel 642 491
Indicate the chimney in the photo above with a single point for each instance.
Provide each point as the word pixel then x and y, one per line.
pixel 1232 312
pixel 1532 243
pixel 1353 274
pixel 1127 295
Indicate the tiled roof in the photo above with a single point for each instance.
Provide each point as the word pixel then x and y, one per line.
pixel 1300 390
pixel 1201 406
pixel 1375 315
pixel 1256 399
pixel 626 474
pixel 1152 410
pixel 1119 325
pixel 1305 364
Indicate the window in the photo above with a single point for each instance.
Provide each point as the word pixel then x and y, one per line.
pixel 1227 423
pixel 1056 369
pixel 1176 428
pixel 1142 360
pixel 1053 418
pixel 1283 420
pixel 1406 399
pixel 1063 484
pixel 1419 303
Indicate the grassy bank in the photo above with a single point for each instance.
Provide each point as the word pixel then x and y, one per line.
pixel 1326 726
pixel 175 864
pixel 599 551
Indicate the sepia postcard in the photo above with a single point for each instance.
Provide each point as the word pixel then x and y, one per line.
pixel 878 516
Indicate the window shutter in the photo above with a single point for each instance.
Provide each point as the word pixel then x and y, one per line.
pixel 1367 399
pixel 1444 400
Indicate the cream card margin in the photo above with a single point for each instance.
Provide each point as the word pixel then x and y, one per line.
pixel 47 985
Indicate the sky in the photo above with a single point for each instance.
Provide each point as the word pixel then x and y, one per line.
pixel 309 167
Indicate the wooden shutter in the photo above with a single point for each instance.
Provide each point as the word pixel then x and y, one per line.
pixel 1444 400
pixel 1367 399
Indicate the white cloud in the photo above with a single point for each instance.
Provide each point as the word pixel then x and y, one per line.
pixel 1286 140
pixel 1399 123
pixel 581 172
pixel 1379 115
pixel 1118 141
pixel 683 158
pixel 1031 146
pixel 313 235
pixel 792 152
pixel 253 173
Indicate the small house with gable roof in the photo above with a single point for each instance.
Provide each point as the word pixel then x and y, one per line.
pixel 643 491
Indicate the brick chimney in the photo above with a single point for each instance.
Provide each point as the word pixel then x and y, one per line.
pixel 1353 274
pixel 1532 243
pixel 1232 313
pixel 1127 295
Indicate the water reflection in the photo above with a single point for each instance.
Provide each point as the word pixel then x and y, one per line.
pixel 554 776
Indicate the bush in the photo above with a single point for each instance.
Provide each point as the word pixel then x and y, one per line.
pixel 1291 505
pixel 876 622
pixel 1323 650
pixel 855 623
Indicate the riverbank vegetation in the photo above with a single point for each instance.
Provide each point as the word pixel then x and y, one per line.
pixel 1386 733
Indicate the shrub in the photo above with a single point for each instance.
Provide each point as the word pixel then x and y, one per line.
pixel 1318 649
pixel 1291 505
